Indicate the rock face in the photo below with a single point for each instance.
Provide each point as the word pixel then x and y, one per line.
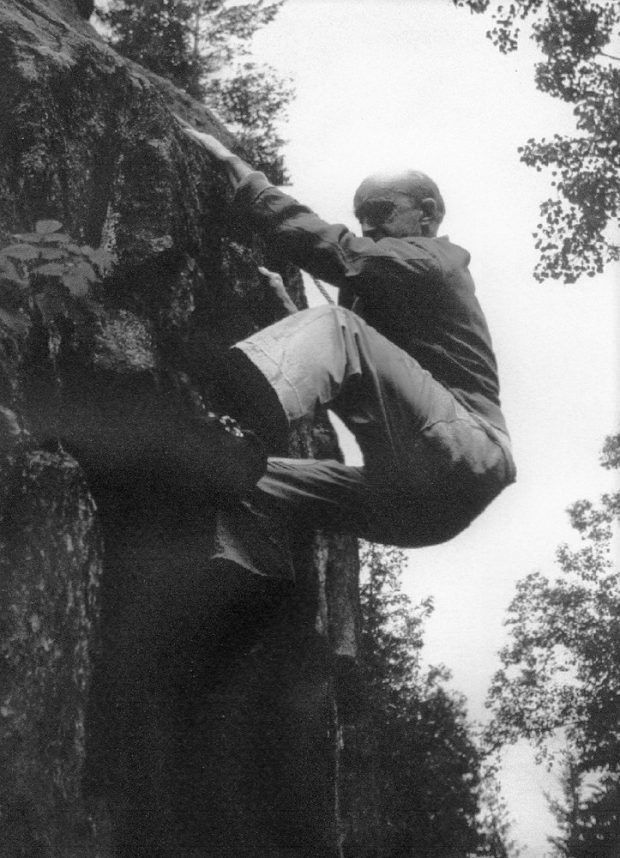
pixel 150 705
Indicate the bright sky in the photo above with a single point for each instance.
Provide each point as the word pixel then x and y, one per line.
pixel 415 83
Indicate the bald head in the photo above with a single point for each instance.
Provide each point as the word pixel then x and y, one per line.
pixel 402 204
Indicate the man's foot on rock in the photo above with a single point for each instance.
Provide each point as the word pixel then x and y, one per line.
pixel 236 458
pixel 253 541
pixel 244 390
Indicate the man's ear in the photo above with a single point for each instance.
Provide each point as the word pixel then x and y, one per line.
pixel 430 217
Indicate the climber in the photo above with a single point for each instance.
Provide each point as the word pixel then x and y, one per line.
pixel 405 361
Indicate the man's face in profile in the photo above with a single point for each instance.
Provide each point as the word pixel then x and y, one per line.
pixel 386 212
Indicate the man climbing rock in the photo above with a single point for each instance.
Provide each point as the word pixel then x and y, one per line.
pixel 405 361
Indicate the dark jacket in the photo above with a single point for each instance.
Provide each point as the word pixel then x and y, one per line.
pixel 417 292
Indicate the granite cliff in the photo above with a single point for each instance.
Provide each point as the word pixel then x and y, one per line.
pixel 122 731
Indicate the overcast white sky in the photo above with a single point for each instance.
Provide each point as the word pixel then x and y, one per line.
pixel 415 83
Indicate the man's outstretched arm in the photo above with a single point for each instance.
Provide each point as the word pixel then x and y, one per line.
pixel 330 252
pixel 236 170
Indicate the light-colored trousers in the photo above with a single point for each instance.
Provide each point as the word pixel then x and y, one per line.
pixel 430 465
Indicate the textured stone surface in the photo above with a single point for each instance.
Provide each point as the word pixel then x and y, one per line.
pixel 50 566
pixel 193 737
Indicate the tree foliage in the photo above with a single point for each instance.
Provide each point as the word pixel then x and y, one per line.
pixel 588 814
pixel 412 758
pixel 251 102
pixel 560 678
pixel 577 233
pixel 203 46
pixel 47 272
pixel 494 821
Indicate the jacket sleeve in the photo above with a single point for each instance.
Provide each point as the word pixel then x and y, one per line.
pixel 368 268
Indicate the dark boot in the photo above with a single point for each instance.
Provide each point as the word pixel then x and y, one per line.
pixel 235 459
pixel 244 392
pixel 251 540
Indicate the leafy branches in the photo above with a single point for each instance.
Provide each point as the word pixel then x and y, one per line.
pixel 588 814
pixel 560 677
pixel 252 102
pixel 417 767
pixel 221 31
pixel 576 233
pixel 46 270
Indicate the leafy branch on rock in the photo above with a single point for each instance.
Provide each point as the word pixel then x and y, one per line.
pixel 47 271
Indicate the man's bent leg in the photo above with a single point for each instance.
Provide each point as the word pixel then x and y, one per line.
pixel 425 456
pixel 323 492
pixel 309 357
pixel 329 356
pixel 336 497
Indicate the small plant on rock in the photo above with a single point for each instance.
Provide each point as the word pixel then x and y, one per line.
pixel 47 271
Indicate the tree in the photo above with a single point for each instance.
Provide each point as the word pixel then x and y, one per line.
pixel 494 822
pixel 155 34
pixel 575 235
pixel 588 816
pixel 203 47
pixel 412 760
pixel 561 669
pixel 560 675
pixel 251 101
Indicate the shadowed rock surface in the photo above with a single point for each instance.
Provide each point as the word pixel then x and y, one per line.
pixel 150 704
